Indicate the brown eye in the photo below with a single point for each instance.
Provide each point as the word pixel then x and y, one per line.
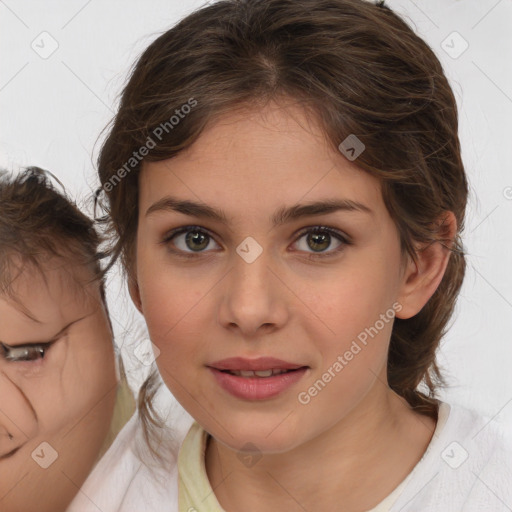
pixel 321 240
pixel 189 240
pixel 197 240
pixel 24 352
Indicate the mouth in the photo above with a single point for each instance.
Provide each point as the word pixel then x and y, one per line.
pixel 256 379
pixel 260 367
pixel 262 374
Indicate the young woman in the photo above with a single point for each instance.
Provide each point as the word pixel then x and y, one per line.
pixel 287 194
pixel 61 403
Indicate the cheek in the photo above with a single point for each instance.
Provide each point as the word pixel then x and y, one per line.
pixel 353 318
pixel 42 383
pixel 16 409
pixel 76 381
pixel 351 301
pixel 93 366
pixel 173 299
pixel 178 314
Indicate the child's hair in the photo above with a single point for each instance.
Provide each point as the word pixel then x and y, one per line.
pixel 37 224
pixel 356 68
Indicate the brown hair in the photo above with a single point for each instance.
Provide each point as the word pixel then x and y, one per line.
pixel 358 69
pixel 38 223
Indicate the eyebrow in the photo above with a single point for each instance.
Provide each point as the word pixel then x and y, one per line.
pixel 281 216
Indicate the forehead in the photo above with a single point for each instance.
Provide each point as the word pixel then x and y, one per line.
pixel 44 299
pixel 260 158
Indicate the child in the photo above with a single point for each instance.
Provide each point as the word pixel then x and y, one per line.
pixel 58 407
pixel 308 149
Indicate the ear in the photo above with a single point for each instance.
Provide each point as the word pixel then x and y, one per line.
pixel 421 278
pixel 133 288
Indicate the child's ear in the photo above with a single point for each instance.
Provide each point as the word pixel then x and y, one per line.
pixel 133 288
pixel 421 278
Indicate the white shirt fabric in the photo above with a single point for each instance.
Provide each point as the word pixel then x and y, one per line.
pixel 120 482
pixel 467 468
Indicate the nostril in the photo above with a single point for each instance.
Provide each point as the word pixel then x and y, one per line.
pixel 8 444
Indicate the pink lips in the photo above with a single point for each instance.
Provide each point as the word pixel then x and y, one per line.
pixel 256 388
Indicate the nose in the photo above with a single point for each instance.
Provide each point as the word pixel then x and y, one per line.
pixel 7 442
pixel 254 298
pixel 18 420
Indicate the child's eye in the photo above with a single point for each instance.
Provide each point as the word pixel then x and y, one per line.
pixel 193 239
pixel 20 353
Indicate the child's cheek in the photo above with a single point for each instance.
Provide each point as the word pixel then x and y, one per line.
pixel 17 412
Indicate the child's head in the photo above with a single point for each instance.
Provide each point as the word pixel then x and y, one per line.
pixel 58 378
pixel 231 125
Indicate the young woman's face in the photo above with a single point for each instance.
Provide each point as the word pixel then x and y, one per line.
pixel 234 261
pixel 57 388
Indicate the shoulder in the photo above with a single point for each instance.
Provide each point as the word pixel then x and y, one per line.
pixel 108 481
pixel 467 466
pixel 489 457
pixel 127 478
pixel 487 440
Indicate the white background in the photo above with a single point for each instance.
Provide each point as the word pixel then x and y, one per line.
pixel 53 110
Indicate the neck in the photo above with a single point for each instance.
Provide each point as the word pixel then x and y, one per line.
pixel 357 462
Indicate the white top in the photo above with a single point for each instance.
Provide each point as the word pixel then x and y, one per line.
pixel 467 468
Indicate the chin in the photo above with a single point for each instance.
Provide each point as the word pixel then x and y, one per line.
pixel 269 435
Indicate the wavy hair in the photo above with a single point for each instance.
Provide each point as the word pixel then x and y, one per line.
pixel 357 68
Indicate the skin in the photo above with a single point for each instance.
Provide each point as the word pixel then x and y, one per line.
pixel 357 437
pixel 65 399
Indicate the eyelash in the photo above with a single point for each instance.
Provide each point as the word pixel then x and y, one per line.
pixel 35 348
pixel 311 229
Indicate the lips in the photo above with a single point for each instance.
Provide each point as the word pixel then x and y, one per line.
pixel 240 364
pixel 256 379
